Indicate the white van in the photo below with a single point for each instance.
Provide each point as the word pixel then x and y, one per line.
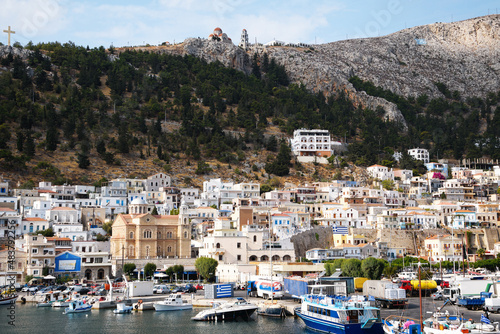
pixel 160 288
pixel 408 275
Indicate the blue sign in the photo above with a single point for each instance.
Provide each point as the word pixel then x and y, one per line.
pixel 67 262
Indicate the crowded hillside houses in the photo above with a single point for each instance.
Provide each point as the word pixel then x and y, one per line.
pixel 291 230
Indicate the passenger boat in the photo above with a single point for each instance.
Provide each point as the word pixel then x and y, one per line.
pixel 77 306
pixel 173 303
pixel 122 308
pixel 342 315
pixel 237 308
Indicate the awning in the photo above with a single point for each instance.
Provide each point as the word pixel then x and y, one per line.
pixel 49 277
pixel 161 275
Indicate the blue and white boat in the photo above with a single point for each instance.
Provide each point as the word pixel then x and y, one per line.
pixel 340 315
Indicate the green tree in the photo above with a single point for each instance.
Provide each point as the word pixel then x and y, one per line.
pixel 281 165
pixel 178 270
pixel 390 271
pixel 83 160
pixel 329 270
pixel 47 233
pixel 51 139
pixel 28 278
pixel 45 271
pixel 351 268
pixel 170 273
pixel 149 269
pixel 388 184
pixel 108 227
pixel 128 268
pixel 372 268
pixel 206 267
pixel 480 252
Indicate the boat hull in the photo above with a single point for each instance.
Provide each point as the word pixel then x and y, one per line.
pixel 79 310
pixel 276 312
pixel 163 307
pixel 332 327
pixel 8 300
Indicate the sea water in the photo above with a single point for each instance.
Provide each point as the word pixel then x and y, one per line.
pixel 30 319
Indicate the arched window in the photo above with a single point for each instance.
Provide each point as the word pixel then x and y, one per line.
pixel 158 251
pixel 131 236
pixel 185 235
pixel 264 258
pixel 276 257
pixel 100 274
pixel 252 258
pixel 169 249
pixel 158 235
pixel 88 274
pixel 218 245
pixel 169 235
pixel 147 234
pixel 287 258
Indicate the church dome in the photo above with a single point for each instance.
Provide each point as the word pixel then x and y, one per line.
pixel 138 201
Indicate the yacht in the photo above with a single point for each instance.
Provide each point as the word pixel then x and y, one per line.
pixel 77 306
pixel 173 303
pixel 236 308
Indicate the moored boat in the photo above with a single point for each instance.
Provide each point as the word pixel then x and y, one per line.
pixel 122 308
pixel 339 314
pixel 7 299
pixel 271 309
pixel 173 303
pixel 232 310
pixel 77 306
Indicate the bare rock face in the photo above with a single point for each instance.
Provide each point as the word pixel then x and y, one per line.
pixel 464 55
pixel 228 54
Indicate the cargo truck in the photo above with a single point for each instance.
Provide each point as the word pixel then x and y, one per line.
pixel 385 293
pixel 265 289
pixel 466 288
pixel 411 287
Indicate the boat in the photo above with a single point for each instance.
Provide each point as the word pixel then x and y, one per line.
pixel 123 308
pixel 8 299
pixel 173 303
pixel 271 309
pixel 444 323
pixel 77 306
pixel 234 309
pixel 339 314
pixel 399 325
pixel 66 301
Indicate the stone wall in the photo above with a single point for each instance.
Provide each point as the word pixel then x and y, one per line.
pixel 318 237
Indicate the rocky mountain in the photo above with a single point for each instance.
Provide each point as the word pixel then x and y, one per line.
pixel 462 55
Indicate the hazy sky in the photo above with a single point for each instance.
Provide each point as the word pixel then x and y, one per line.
pixel 126 22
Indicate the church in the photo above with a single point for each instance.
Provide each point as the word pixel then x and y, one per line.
pixel 141 235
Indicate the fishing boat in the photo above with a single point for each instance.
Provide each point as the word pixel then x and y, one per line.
pixel 66 301
pixel 123 308
pixel 232 310
pixel 271 309
pixel 173 303
pixel 77 306
pixel 444 323
pixel 8 299
pixel 339 314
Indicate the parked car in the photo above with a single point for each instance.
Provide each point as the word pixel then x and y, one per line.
pixel 189 288
pixel 438 295
pixel 84 291
pixel 35 288
pixel 198 287
pixel 178 289
pixel 161 288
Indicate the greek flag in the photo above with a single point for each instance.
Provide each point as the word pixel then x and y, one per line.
pixel 485 320
pixel 340 230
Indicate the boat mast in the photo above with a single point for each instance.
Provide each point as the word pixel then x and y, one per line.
pixel 271 258
pixel 420 293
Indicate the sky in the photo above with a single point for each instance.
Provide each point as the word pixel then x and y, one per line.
pixel 129 23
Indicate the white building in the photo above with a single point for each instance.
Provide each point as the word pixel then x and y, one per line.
pixel 380 172
pixel 419 154
pixel 315 143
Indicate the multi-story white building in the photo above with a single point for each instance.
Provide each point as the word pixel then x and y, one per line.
pixel 312 143
pixel 40 254
pixel 419 154
pixel 380 172
pixel 443 248
pixel 157 181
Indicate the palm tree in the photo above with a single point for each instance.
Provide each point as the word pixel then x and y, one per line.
pixel 480 252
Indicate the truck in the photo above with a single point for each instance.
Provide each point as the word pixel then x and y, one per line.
pixel 265 289
pixel 358 283
pixel 474 303
pixel 466 288
pixel 411 287
pixel 298 286
pixel 385 293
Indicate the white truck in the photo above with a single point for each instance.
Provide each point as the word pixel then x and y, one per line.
pixel 265 289
pixel 385 293
pixel 465 288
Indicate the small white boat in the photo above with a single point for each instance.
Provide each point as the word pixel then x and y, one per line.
pixel 271 309
pixel 173 303
pixel 66 301
pixel 77 306
pixel 122 308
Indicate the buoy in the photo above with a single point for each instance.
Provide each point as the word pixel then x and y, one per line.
pixel 140 301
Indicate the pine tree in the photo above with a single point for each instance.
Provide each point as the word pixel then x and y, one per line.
pixel 51 139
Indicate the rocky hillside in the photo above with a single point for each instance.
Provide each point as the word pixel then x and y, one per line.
pixel 462 55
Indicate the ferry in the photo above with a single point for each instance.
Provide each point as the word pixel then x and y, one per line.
pixel 339 314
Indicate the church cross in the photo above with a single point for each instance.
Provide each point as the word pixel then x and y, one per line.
pixel 9 32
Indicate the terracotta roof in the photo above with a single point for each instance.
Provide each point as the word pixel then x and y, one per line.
pixel 56 238
pixel 7 210
pixel 47 191
pixel 34 219
pixel 468 211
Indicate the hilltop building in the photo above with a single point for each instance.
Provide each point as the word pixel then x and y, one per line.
pixel 219 36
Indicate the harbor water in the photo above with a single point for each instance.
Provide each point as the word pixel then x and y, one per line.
pixel 30 319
